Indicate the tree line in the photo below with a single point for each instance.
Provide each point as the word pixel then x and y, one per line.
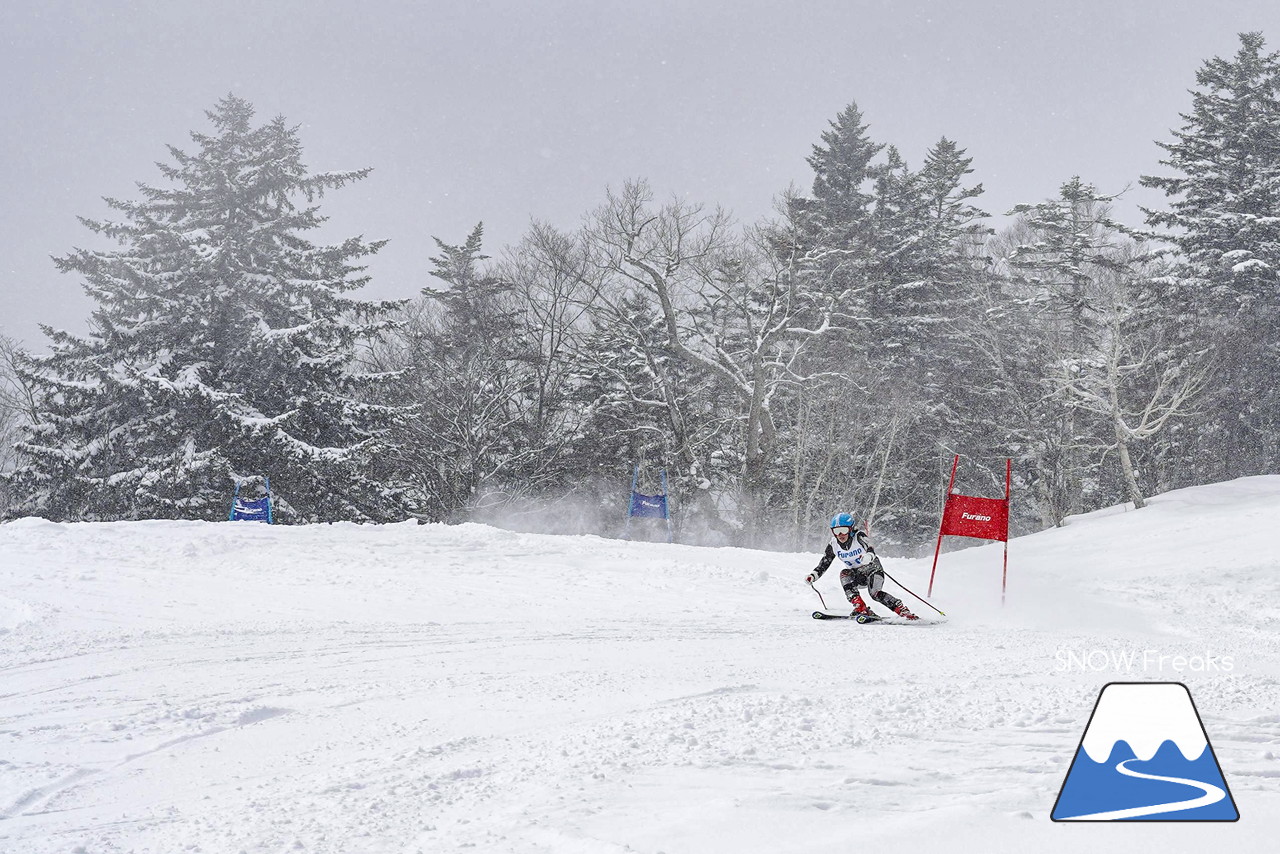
pixel 832 356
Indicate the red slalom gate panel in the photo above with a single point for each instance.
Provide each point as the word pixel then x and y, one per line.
pixel 970 516
pixel 981 518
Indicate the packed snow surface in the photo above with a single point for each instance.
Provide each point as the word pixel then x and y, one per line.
pixel 172 687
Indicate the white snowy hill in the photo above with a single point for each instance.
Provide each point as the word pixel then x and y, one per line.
pixel 173 687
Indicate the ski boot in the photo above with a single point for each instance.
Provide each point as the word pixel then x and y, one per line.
pixel 903 611
pixel 860 609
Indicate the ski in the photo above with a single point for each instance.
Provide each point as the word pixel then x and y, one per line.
pixel 869 619
pixel 860 618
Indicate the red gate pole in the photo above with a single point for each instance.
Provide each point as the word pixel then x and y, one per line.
pixel 1008 478
pixel 955 462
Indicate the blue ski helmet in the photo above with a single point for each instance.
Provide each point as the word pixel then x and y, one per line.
pixel 843 520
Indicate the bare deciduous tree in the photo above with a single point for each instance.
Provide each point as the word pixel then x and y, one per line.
pixel 17 410
pixel 1135 380
pixel 738 305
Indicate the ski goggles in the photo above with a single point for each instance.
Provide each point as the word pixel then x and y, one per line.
pixel 842 531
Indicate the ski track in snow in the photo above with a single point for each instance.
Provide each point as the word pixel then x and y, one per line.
pixel 172 687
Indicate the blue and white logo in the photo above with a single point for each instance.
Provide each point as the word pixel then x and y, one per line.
pixel 1145 756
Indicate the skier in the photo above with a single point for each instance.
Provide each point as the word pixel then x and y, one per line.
pixel 861 568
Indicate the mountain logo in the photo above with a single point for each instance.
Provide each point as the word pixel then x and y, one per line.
pixel 1145 756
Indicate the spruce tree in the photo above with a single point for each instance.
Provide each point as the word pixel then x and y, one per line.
pixel 927 231
pixel 465 383
pixel 1071 244
pixel 842 167
pixel 222 346
pixel 897 247
pixel 926 284
pixel 1224 220
pixel 478 306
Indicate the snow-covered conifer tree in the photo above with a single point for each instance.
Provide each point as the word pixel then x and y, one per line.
pixel 898 246
pixel 456 353
pixel 842 165
pixel 1069 243
pixel 222 346
pixel 925 275
pixel 1224 219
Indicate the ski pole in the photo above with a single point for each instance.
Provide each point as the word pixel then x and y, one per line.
pixel 903 586
pixel 820 599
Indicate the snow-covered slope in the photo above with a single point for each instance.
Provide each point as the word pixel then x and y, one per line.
pixel 169 687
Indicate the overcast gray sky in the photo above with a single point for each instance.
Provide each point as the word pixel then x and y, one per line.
pixel 504 112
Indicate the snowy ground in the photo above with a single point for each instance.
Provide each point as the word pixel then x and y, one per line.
pixel 179 687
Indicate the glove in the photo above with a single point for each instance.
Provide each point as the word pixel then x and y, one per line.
pixel 810 578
